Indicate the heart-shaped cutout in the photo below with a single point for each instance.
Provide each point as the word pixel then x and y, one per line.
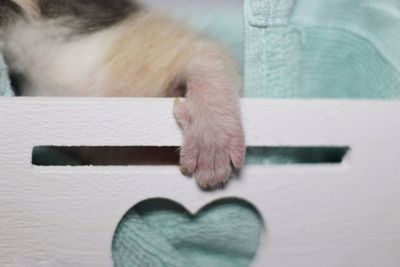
pixel 160 232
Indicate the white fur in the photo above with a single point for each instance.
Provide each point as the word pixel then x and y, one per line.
pixel 55 66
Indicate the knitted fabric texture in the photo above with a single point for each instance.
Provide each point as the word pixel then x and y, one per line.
pixel 162 233
pixel 322 49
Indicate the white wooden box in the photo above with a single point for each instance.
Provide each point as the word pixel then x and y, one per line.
pixel 316 215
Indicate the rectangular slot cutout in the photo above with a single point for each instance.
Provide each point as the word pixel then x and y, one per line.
pixel 162 156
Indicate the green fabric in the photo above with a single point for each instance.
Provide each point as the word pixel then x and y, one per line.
pixel 162 233
pixel 5 87
pixel 323 49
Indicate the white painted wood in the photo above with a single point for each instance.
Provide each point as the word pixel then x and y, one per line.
pixel 320 215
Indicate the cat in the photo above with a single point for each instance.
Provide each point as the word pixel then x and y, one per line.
pixel 122 48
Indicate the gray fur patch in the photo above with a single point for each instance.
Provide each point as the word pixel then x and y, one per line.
pixel 8 11
pixel 88 15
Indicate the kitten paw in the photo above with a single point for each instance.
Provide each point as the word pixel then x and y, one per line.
pixel 213 144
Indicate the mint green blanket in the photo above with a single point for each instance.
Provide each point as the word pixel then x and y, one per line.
pixel 322 49
pixel 162 233
pixel 5 86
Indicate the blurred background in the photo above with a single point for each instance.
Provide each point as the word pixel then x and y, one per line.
pixel 222 20
pixel 194 3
